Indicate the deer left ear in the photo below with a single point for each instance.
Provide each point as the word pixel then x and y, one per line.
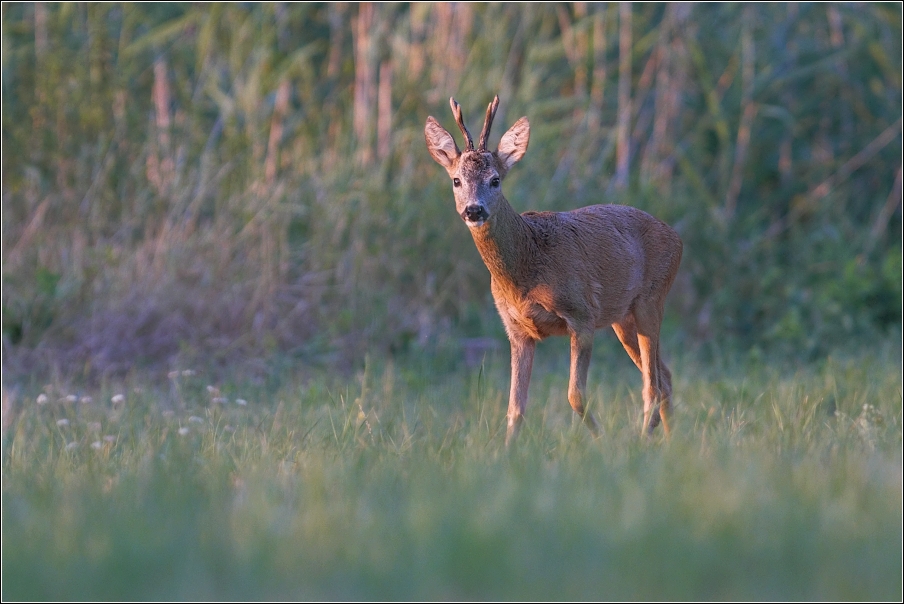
pixel 440 144
pixel 513 145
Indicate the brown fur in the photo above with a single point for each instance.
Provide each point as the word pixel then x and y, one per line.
pixel 564 273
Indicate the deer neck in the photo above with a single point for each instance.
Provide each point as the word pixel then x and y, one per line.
pixel 504 245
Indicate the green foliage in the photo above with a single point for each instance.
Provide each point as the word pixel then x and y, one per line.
pixel 775 485
pixel 224 181
pixel 24 316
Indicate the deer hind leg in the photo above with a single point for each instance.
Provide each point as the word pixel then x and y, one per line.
pixel 522 362
pixel 657 380
pixel 626 330
pixel 581 350
pixel 665 395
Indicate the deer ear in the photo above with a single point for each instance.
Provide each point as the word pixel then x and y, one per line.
pixel 514 143
pixel 440 144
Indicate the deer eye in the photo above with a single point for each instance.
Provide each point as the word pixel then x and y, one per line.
pixel 494 182
pixel 456 182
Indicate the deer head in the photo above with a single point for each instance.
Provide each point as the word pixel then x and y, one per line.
pixel 477 174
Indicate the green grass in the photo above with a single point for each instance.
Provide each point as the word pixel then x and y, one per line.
pixel 395 484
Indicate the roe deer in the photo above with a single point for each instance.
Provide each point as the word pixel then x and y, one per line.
pixel 563 273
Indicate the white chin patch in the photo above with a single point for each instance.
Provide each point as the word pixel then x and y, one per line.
pixel 473 224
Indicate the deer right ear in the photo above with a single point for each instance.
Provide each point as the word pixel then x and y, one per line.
pixel 440 144
pixel 513 144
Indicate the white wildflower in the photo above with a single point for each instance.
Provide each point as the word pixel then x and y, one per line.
pixel 97 445
pixel 183 431
pixel 42 399
pixel 118 399
pixel 72 446
pixel 71 398
pixel 85 400
pixel 62 422
pixel 241 401
pixel 196 419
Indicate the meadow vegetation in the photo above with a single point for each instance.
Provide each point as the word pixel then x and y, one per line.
pixel 250 352
pixel 396 485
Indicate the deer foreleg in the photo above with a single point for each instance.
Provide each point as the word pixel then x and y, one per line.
pixel 581 349
pixel 522 361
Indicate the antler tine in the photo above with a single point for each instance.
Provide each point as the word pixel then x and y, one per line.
pixel 487 123
pixel 456 111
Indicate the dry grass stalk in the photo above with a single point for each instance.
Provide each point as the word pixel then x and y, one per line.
pixel 622 150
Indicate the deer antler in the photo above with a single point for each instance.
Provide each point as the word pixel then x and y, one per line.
pixel 456 111
pixel 487 123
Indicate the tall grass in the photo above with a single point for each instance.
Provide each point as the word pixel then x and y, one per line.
pixel 777 484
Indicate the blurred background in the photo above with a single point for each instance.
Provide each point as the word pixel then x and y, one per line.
pixel 237 183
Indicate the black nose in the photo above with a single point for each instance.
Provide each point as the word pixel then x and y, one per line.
pixel 474 213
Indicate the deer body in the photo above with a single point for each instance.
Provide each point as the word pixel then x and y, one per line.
pixel 564 273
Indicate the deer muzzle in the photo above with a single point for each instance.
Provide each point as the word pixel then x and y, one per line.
pixel 475 215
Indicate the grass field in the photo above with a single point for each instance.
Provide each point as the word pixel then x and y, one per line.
pixel 395 484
